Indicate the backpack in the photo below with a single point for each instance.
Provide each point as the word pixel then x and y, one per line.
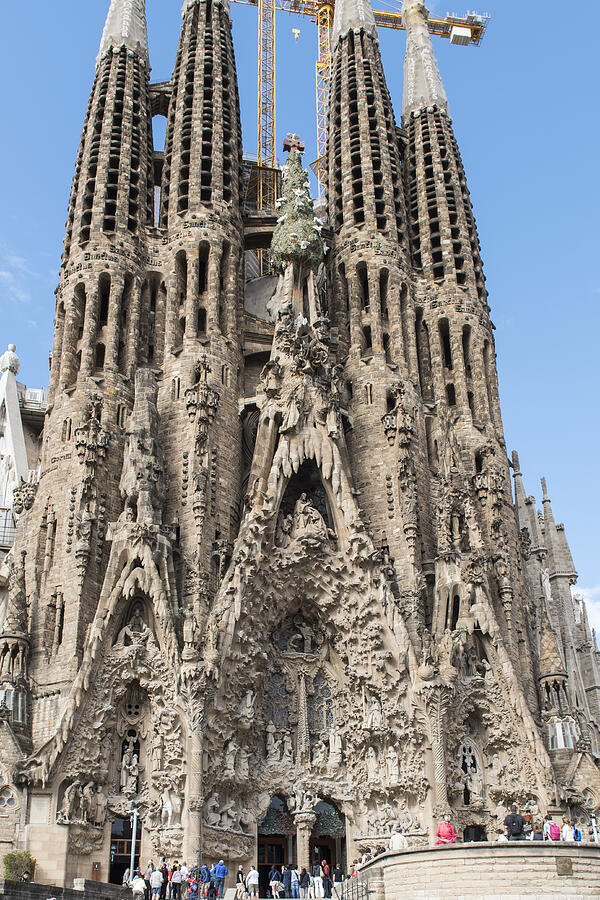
pixel 515 824
pixel 554 831
pixel 576 834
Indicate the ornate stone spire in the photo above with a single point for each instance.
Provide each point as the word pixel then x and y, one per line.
pixel 422 80
pixel 352 15
pixel 125 25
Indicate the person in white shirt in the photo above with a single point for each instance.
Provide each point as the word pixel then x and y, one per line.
pixel 156 880
pixel 184 885
pixel 138 886
pixel 567 832
pixel 398 840
pixel 501 837
pixel 252 882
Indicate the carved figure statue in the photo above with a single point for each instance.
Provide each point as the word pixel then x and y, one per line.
pixel 335 749
pixel 307 520
pixel 132 774
pixel 243 767
pixel 231 750
pixel 246 710
pixel 319 755
pixel 100 806
pixel 475 783
pixel 227 814
pixel 88 803
pixel 71 800
pixel 166 814
pixel 372 766
pixel 190 628
pixel 158 747
pixel 125 763
pixel 392 765
pixel 283 536
pixel 273 753
pixel 374 717
pixel 288 750
pixel 211 810
pixel 136 632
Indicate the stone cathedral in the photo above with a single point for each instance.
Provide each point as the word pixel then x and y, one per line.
pixel 272 586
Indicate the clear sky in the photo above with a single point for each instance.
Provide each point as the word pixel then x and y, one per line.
pixel 526 120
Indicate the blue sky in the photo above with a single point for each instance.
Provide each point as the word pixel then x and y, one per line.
pixel 525 115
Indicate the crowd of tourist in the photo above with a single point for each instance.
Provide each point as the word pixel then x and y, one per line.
pixel 517 828
pixel 175 881
pixel 172 881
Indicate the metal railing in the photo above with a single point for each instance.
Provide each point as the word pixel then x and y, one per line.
pixel 356 888
pixel 8 534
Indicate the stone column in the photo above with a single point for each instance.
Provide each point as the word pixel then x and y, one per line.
pixel 355 324
pixel 117 288
pixel 304 821
pixel 213 288
pixel 59 329
pixel 90 329
pixel 375 302
pixel 133 324
pixel 193 833
pixel 191 301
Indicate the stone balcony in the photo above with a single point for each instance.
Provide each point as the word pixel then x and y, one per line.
pixel 486 871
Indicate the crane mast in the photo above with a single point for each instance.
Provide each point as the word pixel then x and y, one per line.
pixel 460 30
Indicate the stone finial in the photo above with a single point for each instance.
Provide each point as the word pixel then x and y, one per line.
pixel 125 25
pixel 545 497
pixel 352 15
pixel 9 361
pixel 423 85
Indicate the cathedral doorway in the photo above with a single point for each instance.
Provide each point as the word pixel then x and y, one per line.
pixel 328 838
pixel 120 848
pixel 276 842
pixel 474 833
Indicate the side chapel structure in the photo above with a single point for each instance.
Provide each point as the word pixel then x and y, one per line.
pixel 271 585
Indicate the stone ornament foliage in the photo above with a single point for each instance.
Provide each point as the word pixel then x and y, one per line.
pixel 297 237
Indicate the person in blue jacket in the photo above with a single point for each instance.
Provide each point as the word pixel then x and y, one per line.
pixel 286 877
pixel 220 872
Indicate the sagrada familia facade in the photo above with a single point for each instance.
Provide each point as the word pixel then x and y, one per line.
pixel 272 587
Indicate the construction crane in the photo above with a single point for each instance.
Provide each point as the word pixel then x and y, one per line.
pixel 461 30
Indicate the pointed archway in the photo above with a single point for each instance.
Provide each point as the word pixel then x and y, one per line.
pixel 328 837
pixel 276 841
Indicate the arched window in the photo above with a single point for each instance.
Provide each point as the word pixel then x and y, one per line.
pixel 363 280
pixel 66 430
pixel 469 763
pixel 277 702
pixel 320 712
pixel 99 357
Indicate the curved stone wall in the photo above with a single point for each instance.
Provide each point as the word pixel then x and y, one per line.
pixel 487 872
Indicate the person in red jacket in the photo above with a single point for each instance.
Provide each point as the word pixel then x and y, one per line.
pixel 445 833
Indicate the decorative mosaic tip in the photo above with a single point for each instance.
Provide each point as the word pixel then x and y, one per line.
pixel 423 85
pixel 352 15
pixel 9 361
pixel 125 25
